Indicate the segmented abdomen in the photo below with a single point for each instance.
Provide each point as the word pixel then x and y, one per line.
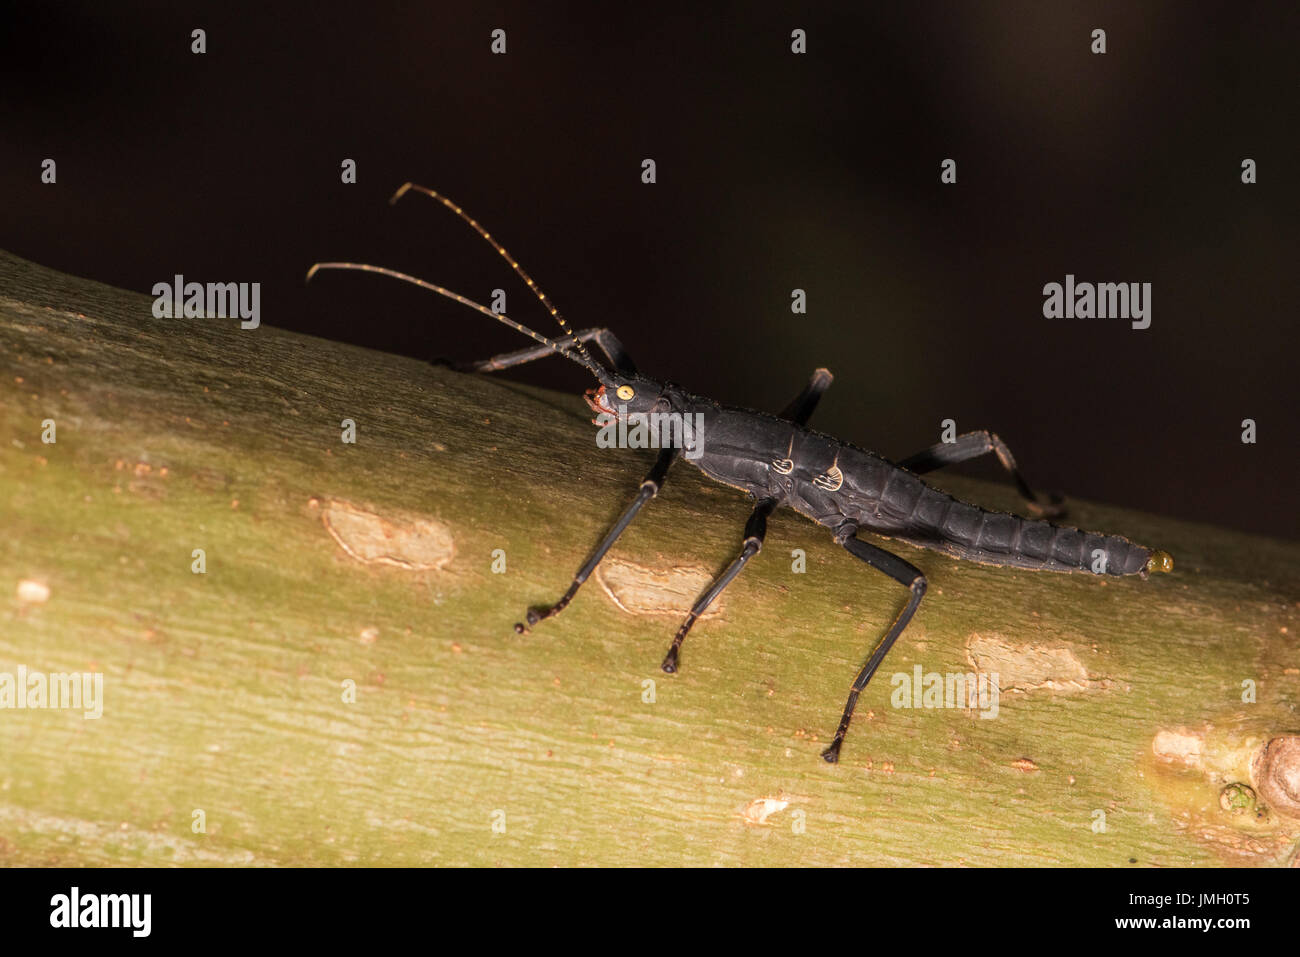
pixel 913 512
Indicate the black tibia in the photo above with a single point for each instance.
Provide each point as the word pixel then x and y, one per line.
pixel 606 340
pixel 905 574
pixel 972 445
pixel 801 409
pixel 798 412
pixel 755 532
pixel 649 489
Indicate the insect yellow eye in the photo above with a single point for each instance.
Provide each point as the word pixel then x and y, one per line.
pixel 626 392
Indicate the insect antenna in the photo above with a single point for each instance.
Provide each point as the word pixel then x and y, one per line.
pixel 537 290
pixel 584 360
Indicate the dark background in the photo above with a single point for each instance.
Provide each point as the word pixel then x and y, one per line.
pixel 775 171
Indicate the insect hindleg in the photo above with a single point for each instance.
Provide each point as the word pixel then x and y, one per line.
pixel 905 574
pixel 755 532
pixel 649 489
pixel 606 340
pixel 972 445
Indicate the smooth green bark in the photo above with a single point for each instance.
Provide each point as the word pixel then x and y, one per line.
pixel 224 690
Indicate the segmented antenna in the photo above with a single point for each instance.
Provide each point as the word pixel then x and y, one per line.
pixel 537 290
pixel 585 361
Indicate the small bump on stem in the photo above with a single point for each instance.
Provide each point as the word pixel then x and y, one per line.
pixel 1160 561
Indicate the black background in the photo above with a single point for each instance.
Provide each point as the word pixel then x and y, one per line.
pixel 775 171
pixel 917 910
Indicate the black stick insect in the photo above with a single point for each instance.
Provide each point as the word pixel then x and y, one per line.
pixel 778 460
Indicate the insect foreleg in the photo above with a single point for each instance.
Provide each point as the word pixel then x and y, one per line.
pixel 649 489
pixel 606 340
pixel 755 532
pixel 905 574
pixel 972 445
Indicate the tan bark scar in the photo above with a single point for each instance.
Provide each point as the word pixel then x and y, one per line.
pixel 415 544
pixel 1029 667
pixel 639 590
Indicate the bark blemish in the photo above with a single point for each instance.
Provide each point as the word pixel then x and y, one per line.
pixel 1276 772
pixel 372 539
pixel 1030 667
pixel 760 809
pixel 639 590
pixel 1181 745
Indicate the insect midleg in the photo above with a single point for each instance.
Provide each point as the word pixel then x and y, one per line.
pixel 905 574
pixel 972 445
pixel 755 532
pixel 798 411
pixel 649 489
pixel 606 340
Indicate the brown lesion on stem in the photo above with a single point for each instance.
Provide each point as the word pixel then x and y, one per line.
pixel 1233 789
pixel 1276 772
